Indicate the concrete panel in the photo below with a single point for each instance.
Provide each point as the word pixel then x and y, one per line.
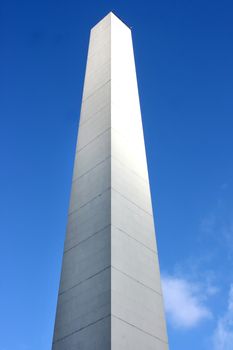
pixel 86 259
pixel 94 126
pixel 98 69
pixel 101 32
pixel 131 257
pixel 96 79
pixel 95 336
pixel 92 154
pixel 95 103
pixel 90 186
pixel 129 218
pixel 130 185
pixel 128 337
pixel 83 305
pixel 132 157
pixel 124 82
pixel 99 55
pixel 137 305
pixel 88 220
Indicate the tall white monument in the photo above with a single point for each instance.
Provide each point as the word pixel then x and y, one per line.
pixel 110 294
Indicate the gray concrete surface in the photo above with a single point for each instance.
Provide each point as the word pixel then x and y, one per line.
pixel 110 294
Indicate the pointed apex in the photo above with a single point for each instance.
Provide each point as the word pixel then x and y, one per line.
pixel 118 17
pixel 111 14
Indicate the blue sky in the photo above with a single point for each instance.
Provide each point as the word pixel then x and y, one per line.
pixel 184 55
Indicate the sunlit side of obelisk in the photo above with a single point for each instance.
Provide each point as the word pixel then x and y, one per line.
pixel 110 293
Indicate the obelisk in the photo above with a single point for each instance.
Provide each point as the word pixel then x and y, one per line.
pixel 110 294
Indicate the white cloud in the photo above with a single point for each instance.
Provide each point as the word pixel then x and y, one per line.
pixel 223 335
pixel 184 302
pixel 218 226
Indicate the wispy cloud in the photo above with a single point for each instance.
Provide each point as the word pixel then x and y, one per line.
pixel 184 302
pixel 202 276
pixel 223 335
pixel 217 225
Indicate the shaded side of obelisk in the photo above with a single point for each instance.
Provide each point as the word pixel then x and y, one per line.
pixel 110 294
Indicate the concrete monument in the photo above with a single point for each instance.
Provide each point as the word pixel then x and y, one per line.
pixel 110 295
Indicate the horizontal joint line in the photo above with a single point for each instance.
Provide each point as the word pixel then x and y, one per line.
pixel 84 100
pixel 98 136
pixel 134 279
pixel 131 202
pixel 132 325
pixel 90 277
pixel 88 171
pixel 99 195
pixel 86 239
pixel 80 329
pixel 94 114
pixel 127 234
